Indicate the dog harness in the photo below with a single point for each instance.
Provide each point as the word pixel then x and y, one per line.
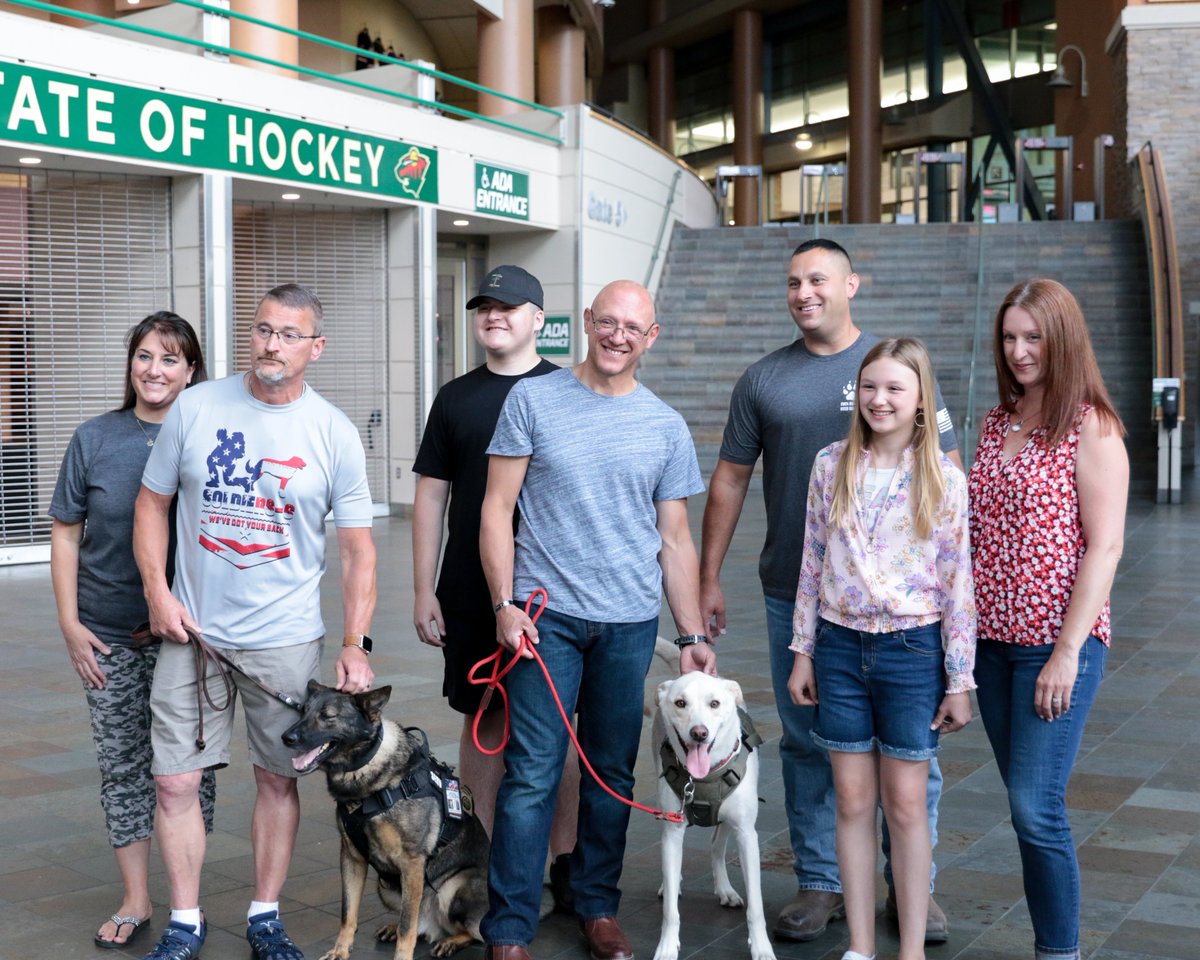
pixel 429 778
pixel 702 799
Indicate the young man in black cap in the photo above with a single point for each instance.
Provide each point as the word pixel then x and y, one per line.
pixel 452 469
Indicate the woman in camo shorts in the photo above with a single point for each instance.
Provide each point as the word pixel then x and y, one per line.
pixel 99 596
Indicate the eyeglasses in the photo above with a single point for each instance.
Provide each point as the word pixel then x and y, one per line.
pixel 287 337
pixel 606 328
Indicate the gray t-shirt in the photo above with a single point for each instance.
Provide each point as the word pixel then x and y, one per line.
pixel 97 485
pixel 588 531
pixel 787 406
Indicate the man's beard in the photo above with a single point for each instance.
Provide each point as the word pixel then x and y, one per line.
pixel 273 377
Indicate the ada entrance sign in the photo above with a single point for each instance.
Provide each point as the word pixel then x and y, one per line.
pixel 500 191
pixel 554 339
pixel 52 110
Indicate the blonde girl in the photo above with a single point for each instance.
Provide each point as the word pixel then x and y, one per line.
pixel 884 628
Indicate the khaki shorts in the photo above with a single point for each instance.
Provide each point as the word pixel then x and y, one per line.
pixel 174 724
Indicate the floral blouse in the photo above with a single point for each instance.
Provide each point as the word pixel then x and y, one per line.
pixel 889 579
pixel 1026 534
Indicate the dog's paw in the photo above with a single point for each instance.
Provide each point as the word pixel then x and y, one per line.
pixel 667 950
pixel 385 934
pixel 728 897
pixel 451 944
pixel 336 954
pixel 761 951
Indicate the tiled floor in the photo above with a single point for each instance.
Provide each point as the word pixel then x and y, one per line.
pixel 1135 797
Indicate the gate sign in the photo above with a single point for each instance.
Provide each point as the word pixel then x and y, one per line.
pixel 500 191
pixel 54 111
pixel 554 339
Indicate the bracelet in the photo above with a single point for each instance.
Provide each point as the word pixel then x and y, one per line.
pixel 690 639
pixel 502 604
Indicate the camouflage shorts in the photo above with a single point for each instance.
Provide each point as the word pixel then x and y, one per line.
pixel 121 728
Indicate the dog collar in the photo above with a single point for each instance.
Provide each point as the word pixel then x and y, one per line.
pixel 376 743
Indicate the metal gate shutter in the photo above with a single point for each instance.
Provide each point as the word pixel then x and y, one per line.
pixel 339 254
pixel 83 256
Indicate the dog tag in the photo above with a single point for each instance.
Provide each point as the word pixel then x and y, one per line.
pixel 454 805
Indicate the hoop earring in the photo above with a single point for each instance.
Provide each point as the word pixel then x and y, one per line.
pixel 919 419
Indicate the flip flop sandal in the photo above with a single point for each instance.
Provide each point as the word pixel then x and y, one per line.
pixel 136 922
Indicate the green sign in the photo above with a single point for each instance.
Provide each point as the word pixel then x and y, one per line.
pixel 500 191
pixel 554 339
pixel 59 110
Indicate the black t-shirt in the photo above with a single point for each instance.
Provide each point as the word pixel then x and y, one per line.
pixel 454 448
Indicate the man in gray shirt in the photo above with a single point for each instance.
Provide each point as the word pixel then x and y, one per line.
pixel 601 470
pixel 786 407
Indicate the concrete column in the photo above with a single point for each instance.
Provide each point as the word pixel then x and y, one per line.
pixel 264 41
pixel 561 58
pixel 747 111
pixel 506 57
pixel 660 70
pixel 864 202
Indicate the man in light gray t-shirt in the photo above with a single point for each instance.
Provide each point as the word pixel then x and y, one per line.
pixel 785 408
pixel 601 470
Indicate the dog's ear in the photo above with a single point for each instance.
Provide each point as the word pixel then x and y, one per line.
pixel 735 690
pixel 315 687
pixel 662 691
pixel 372 702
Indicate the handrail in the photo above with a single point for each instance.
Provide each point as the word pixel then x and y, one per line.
pixel 662 226
pixel 308 71
pixel 1165 290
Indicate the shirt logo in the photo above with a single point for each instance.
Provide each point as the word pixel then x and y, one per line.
pixel 848 394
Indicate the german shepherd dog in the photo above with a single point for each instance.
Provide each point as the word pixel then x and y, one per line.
pixel 401 811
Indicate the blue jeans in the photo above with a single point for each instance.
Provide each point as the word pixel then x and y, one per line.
pixel 600 671
pixel 1035 759
pixel 807 777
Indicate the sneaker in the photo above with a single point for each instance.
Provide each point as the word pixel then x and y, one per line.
pixel 269 940
pixel 180 941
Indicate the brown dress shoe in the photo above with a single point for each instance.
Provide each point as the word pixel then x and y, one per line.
pixel 809 913
pixel 605 939
pixel 937 928
pixel 505 951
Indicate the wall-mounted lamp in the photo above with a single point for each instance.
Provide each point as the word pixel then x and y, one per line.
pixel 1060 72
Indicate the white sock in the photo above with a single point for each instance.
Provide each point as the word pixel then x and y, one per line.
pixel 190 917
pixel 257 907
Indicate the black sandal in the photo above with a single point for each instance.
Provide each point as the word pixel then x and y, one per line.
pixel 138 923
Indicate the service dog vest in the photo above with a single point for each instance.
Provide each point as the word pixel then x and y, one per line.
pixel 429 778
pixel 702 799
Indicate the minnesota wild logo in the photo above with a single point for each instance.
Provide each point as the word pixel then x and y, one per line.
pixel 411 172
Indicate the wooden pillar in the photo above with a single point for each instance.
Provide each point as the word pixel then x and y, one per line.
pixel 99 8
pixel 506 57
pixel 251 38
pixel 561 58
pixel 864 200
pixel 747 112
pixel 660 75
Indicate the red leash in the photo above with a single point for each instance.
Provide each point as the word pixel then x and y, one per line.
pixel 493 683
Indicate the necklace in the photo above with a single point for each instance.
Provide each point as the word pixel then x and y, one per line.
pixel 1015 423
pixel 142 427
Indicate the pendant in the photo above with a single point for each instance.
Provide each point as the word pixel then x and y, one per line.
pixel 1016 428
pixel 149 442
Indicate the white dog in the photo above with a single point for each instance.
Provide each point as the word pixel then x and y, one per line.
pixel 708 767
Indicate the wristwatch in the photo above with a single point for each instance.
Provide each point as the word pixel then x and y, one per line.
pixel 691 638
pixel 360 640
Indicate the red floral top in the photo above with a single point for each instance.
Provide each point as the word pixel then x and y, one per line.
pixel 1026 537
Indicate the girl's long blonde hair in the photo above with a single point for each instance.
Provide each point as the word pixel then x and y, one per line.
pixel 928 484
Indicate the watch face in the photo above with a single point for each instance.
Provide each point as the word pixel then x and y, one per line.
pixel 365 643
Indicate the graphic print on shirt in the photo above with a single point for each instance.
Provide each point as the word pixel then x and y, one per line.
pixel 849 393
pixel 247 519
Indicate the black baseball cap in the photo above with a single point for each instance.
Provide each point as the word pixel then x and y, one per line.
pixel 510 285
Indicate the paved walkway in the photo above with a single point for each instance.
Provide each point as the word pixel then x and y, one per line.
pixel 1135 803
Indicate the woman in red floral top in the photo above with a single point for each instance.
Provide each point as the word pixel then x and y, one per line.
pixel 1047 494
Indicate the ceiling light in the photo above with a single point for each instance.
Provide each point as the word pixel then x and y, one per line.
pixel 461 223
pixel 30 161
pixel 290 196
pixel 803 142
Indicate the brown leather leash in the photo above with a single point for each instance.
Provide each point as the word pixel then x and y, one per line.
pixel 202 654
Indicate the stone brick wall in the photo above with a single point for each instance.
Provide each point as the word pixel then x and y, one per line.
pixel 1162 106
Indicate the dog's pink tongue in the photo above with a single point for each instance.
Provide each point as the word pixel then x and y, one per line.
pixel 698 760
pixel 302 761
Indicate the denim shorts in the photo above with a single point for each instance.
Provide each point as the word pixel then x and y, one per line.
pixel 879 690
